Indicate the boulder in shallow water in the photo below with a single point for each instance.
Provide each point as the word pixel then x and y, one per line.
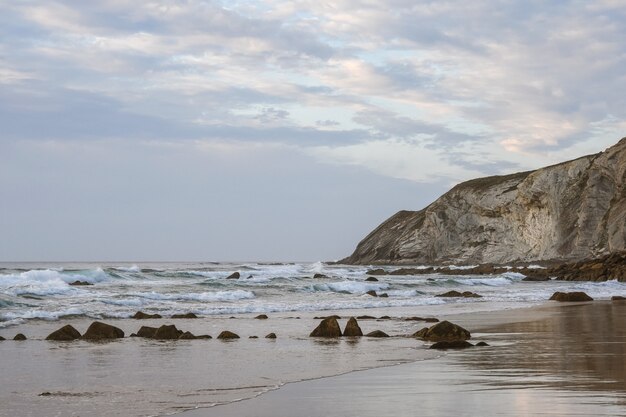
pixel 420 333
pixel 140 315
pixel 19 336
pixel 377 333
pixel 184 316
pixel 204 336
pixel 352 328
pixel 618 298
pixel 146 331
pixel 65 333
pixel 371 279
pixel 365 317
pixel 446 331
pixel 228 335
pixel 101 331
pixel 319 276
pixel 271 336
pixel 167 332
pixel 2 338
pixel 457 294
pixel 457 344
pixel 570 296
pixel 261 317
pixel 481 344
pixel 329 327
pixel 372 293
pixel 234 275
pixel 187 336
pixel 78 283
pixel 253 337
pixel 384 295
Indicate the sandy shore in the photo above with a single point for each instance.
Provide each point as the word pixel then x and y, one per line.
pixel 568 359
pixel 559 360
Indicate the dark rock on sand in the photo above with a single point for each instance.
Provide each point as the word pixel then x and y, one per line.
pixel 377 333
pixel 65 333
pixel 204 336
pixel 140 315
pixel 352 328
pixel 425 319
pixel 465 294
pixel 2 338
pixel 80 283
pixel 384 295
pixel 261 317
pixel 167 332
pixel 457 344
pixel 234 275
pixel 366 317
pixel 146 331
pixel 378 271
pixel 480 344
pixel 253 337
pixel 570 296
pixel 184 316
pixel 384 318
pixel 228 335
pixel 372 279
pixel 420 333
pixel 372 293
pixel 618 298
pixel 336 317
pixel 19 336
pixel 271 336
pixel 327 328
pixel 187 336
pixel 445 331
pixel 100 331
pixel 319 276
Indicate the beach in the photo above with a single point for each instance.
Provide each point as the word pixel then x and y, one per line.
pixel 565 354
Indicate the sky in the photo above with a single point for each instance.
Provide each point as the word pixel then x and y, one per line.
pixel 282 130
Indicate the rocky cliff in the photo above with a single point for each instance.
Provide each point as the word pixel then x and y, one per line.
pixel 572 210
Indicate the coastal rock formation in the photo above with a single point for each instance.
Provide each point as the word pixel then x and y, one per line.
pixel 100 331
pixel 618 298
pixel 372 293
pixel 187 336
pixel 78 283
pixel 457 344
pixel 261 317
pixel 167 332
pixel 140 315
pixel 352 328
pixel 444 331
pixel 371 279
pixel 573 210
pixel 65 333
pixel 147 331
pixel 184 316
pixel 19 336
pixel 604 268
pixel 234 275
pixel 319 276
pixel 228 335
pixel 570 296
pixel 329 327
pixel 377 333
pixel 271 336
pixel 457 294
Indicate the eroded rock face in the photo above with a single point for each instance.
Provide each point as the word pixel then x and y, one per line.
pixel 573 210
pixel 65 333
pixel 329 327
pixel 100 331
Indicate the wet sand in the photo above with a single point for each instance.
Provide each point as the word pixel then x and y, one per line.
pixel 560 360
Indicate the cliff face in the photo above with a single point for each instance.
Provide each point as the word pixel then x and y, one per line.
pixel 572 210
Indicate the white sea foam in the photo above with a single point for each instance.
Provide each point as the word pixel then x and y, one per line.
pixel 352 287
pixel 133 268
pixel 203 296
pixel 40 314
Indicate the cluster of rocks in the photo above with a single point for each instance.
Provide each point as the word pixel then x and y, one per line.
pixel 457 294
pixel 375 294
pixel 140 315
pixel 329 327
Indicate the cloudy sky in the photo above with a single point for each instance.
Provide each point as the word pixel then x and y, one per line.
pixel 274 130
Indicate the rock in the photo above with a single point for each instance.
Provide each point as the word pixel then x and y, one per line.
pixel 80 283
pixel 327 328
pixel 618 298
pixel 65 333
pixel 372 279
pixel 19 336
pixel 377 333
pixel 576 208
pixel 319 276
pixel 101 331
pixel 372 293
pixel 336 317
pixel 133 335
pixel 570 296
pixel 366 318
pixel 234 275
pixel 204 336
pixel 420 333
pixel 140 315
pixel 445 331
pixel 146 331
pixel 384 295
pixel 426 319
pixel 465 294
pixel 384 318
pixel 187 336
pixel 228 335
pixel 271 336
pixel 352 328
pixel 378 271
pixel 457 344
pixel 481 344
pixel 167 332
pixel 261 317
pixel 253 337
pixel 2 338
pixel 184 316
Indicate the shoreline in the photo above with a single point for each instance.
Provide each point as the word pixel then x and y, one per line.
pixel 563 392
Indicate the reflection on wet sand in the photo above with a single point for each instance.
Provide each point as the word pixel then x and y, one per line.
pixel 579 347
